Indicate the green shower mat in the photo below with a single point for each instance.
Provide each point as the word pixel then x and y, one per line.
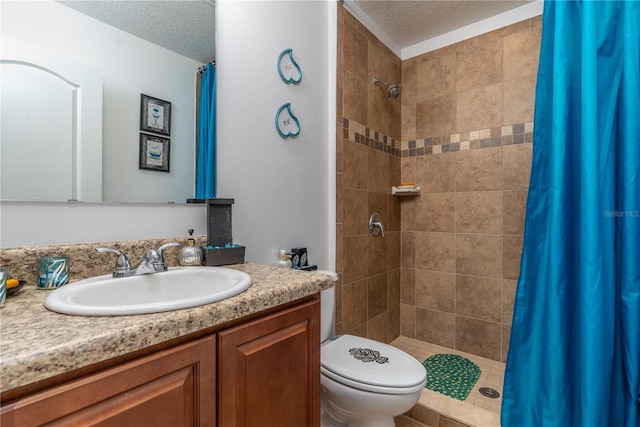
pixel 451 375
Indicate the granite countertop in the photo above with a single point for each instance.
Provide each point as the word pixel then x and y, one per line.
pixel 36 343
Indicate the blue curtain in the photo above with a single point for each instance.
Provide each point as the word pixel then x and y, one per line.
pixel 206 156
pixel 574 357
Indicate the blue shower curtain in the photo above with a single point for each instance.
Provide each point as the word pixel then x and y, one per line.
pixel 206 156
pixel 574 357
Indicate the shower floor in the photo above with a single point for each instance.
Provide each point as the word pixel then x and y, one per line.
pixel 476 411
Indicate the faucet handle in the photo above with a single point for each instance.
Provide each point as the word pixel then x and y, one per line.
pixel 160 263
pixel 123 267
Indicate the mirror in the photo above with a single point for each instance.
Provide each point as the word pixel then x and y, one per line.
pixel 133 47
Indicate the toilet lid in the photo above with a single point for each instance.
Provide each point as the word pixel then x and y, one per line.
pixel 371 362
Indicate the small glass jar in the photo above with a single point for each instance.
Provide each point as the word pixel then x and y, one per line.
pixel 52 271
pixel 190 254
pixel 284 260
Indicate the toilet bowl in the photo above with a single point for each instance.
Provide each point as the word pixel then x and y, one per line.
pixel 365 383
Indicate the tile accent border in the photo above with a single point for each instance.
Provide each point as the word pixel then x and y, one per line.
pixel 518 133
pixel 354 131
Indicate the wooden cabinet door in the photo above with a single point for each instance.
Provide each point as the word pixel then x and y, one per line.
pixel 172 388
pixel 269 370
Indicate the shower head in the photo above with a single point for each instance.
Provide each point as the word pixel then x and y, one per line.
pixel 392 90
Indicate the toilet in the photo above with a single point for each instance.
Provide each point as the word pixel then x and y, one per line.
pixel 365 383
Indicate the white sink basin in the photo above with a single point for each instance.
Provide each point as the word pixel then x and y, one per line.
pixel 175 289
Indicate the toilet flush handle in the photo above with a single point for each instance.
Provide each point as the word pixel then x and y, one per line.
pixel 375 225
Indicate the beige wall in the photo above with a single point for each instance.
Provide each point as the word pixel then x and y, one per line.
pixel 462 129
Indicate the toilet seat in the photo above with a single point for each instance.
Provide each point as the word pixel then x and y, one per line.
pixel 371 366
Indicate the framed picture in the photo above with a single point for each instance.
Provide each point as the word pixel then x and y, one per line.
pixel 155 115
pixel 154 153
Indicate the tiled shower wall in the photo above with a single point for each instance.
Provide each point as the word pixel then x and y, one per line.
pixel 368 164
pixel 467 121
pixel 446 270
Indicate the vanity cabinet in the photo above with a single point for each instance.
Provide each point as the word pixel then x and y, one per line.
pixel 263 372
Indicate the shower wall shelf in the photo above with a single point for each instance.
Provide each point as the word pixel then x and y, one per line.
pixel 405 191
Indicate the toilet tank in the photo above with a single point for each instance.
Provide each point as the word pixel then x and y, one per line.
pixel 328 308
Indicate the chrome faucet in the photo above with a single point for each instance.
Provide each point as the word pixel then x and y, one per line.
pixel 151 262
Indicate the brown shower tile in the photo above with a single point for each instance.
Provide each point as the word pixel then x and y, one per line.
pixel 394 249
pixel 355 258
pixel 394 213
pixel 478 108
pixel 478 62
pixel 514 208
pixel 339 148
pixel 435 251
pixel 479 212
pixel 377 296
pixel 436 77
pixel 408 172
pixel 512 254
pixel 377 328
pixel 479 255
pixel 377 255
pixel 356 217
pixel 377 109
pixel 393 323
pixel 423 415
pixel 408 320
pixel 354 312
pixel 435 327
pixel 479 169
pixel 339 199
pixel 377 203
pixel 339 248
pixel 508 297
pixel 408 213
pixel 436 174
pixel 436 212
pixel 436 116
pixel 393 288
pixel 355 52
pixel 435 290
pixel 378 171
pixel 521 53
pixel 479 297
pixel 355 165
pixel 408 249
pixel 518 100
pixel 516 166
pixel 479 337
pixel 506 338
pixel 354 92
pixel 338 287
pixel 408 286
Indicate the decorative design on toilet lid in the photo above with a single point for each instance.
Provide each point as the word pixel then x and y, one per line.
pixel 368 355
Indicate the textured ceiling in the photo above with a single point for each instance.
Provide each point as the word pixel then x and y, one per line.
pixel 406 22
pixel 183 26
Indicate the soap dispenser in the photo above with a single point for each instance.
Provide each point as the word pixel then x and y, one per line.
pixel 190 254
pixel 283 259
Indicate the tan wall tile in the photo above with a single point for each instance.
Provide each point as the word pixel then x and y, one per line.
pixel 339 248
pixel 479 337
pixel 518 97
pixel 408 213
pixel 408 165
pixel 435 327
pixel 393 213
pixel 377 109
pixel 436 212
pixel 354 312
pixel 479 255
pixel 478 108
pixel 436 77
pixel 425 416
pixel 516 166
pixel 394 249
pixel 339 148
pixel 354 92
pixel 356 165
pixel 393 326
pixel 521 53
pixel 408 320
pixel 378 171
pixel 408 286
pixel 478 297
pixel 435 290
pixel 436 116
pixel 436 174
pixel 339 198
pixel 408 249
pixel 377 296
pixel 506 338
pixel 377 328
pixel 479 212
pixel 478 62
pixel 479 169
pixel 377 255
pixel 356 217
pixel 514 208
pixel 436 251
pixel 355 52
pixel 355 258
pixel 512 254
pixel 393 288
pixel 508 298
